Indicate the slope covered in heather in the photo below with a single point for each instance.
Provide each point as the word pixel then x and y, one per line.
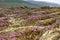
pixel 23 23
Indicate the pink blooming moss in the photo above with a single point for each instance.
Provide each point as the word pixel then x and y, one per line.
pixel 20 32
pixel 6 36
pixel 49 26
pixel 36 28
pixel 33 16
pixel 16 11
pixel 33 29
pixel 24 22
pixel 14 38
pixel 53 25
pixel 40 28
pixel 30 36
pixel 2 37
pixel 4 23
pixel 12 34
pixel 40 22
pixel 36 37
pixel 37 16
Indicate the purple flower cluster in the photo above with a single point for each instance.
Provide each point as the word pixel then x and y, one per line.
pixel 4 23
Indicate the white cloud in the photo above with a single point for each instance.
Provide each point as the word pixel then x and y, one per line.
pixel 54 1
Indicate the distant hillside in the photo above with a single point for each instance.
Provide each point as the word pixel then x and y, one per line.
pixel 10 3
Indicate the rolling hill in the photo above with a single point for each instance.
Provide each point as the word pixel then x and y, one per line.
pixel 11 3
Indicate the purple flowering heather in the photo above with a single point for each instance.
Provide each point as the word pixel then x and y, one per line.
pixel 13 38
pixel 40 28
pixel 12 34
pixel 35 22
pixel 20 32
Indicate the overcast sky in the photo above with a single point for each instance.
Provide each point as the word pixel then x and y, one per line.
pixel 54 1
